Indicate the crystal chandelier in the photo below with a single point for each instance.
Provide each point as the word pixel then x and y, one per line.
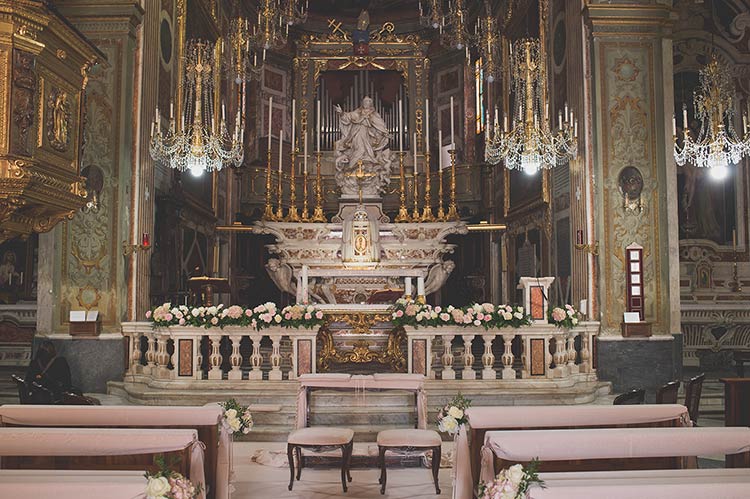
pixel 271 31
pixel 241 64
pixel 531 144
pixel 198 143
pixel 454 32
pixel 294 13
pixel 717 144
pixel 432 17
pixel 488 42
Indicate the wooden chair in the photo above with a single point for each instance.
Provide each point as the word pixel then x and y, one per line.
pixel 667 394
pixel 633 397
pixel 693 390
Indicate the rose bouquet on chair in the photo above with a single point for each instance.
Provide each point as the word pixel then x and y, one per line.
pixel 236 417
pixel 564 317
pixel 512 483
pixel 453 415
pixel 166 484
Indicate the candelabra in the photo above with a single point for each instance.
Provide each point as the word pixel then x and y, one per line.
pixel 294 12
pixel 197 142
pixel 240 64
pixel 415 213
pixel 717 144
pixel 441 211
pixel 305 213
pixel 433 16
pixel 268 212
pixel 427 215
pixel 452 209
pixel 318 215
pixel 279 207
pixel 454 33
pixel 292 215
pixel 403 212
pixel 487 39
pixel 267 33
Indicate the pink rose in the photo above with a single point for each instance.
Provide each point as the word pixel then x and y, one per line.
pixel 249 313
pixel 558 314
pixel 148 314
pixel 319 315
pixel 308 316
pixel 287 316
pixel 480 316
pixel 169 317
pixel 399 313
pixel 487 318
pixel 182 322
pixel 215 321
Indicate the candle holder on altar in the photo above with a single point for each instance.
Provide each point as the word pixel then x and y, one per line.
pixel 268 212
pixel 318 215
pixel 403 212
pixel 440 212
pixel 305 213
pixel 415 216
pixel 279 209
pixel 452 209
pixel 427 215
pixel 292 214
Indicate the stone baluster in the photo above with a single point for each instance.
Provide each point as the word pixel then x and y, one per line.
pixel 236 358
pixel 468 371
pixel 256 359
pixel 488 358
pixel 135 353
pixel 571 353
pixel 215 359
pixel 151 352
pixel 161 358
pixel 585 365
pixel 199 360
pixel 447 357
pixel 275 372
pixel 560 356
pixel 507 358
pixel 525 346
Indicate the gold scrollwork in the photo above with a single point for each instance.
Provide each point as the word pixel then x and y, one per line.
pixel 392 356
pixel 360 322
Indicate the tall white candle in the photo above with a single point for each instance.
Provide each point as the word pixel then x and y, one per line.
pixel 407 286
pixel 270 114
pixel 281 148
pixel 294 119
pixel 684 118
pixel 453 137
pixel 400 126
pixel 414 148
pixel 318 145
pixel 674 126
pixel 427 124
pixel 304 284
pixel 420 286
pixel 305 149
pixel 440 150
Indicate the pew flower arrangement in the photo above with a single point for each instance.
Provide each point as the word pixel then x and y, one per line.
pixel 453 415
pixel 407 312
pixel 512 483
pixel 237 417
pixel 259 317
pixel 564 317
pixel 166 484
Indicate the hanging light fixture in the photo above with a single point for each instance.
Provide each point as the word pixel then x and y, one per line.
pixel 270 31
pixel 487 38
pixel 241 63
pixel 198 142
pixel 717 144
pixel 531 144
pixel 432 16
pixel 294 12
pixel 454 32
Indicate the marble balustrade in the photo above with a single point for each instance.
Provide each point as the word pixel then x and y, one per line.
pixel 276 353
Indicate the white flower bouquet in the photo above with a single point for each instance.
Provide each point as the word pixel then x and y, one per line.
pixel 237 417
pixel 512 483
pixel 166 484
pixel 565 317
pixel 453 415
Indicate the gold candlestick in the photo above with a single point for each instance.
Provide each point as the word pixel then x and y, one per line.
pixel 441 211
pixel 427 215
pixel 415 214
pixel 318 215
pixel 403 212
pixel 305 212
pixel 452 210
pixel 292 215
pixel 268 213
pixel 279 210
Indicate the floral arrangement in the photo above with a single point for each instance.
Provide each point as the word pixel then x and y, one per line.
pixel 512 483
pixel 407 312
pixel 259 317
pixel 237 417
pixel 564 317
pixel 453 415
pixel 166 484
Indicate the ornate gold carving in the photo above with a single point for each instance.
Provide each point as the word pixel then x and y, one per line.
pixel 61 54
pixel 24 86
pixel 58 120
pixel 360 322
pixel 392 355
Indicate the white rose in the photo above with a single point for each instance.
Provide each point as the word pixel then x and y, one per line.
pixel 455 412
pixel 212 310
pixel 234 424
pixel 518 315
pixel 520 309
pixel 231 413
pixel 515 474
pixel 157 487
pixel 448 424
pixel 507 316
pixel 574 321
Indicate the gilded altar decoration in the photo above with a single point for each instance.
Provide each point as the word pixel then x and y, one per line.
pixel 360 322
pixel 391 355
pixel 38 188
pixel 58 120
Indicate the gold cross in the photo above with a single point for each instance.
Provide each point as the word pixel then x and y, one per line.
pixel 360 175
pixel 336 27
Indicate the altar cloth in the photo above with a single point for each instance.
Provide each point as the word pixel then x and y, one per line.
pixel 103 442
pixel 130 415
pixel 72 484
pixel 502 417
pixel 645 484
pixel 362 383
pixel 609 443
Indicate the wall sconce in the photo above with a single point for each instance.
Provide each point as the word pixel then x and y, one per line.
pixel 129 249
pixel 588 248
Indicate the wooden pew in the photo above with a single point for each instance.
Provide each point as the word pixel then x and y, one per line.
pixel 102 449
pixel 204 419
pixel 604 449
pixel 496 418
pixel 71 484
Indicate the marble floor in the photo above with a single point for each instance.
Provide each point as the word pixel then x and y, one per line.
pixel 256 481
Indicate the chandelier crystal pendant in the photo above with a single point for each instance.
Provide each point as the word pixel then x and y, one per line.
pixel 242 64
pixel 432 16
pixel 531 144
pixel 294 12
pixel 717 144
pixel 198 143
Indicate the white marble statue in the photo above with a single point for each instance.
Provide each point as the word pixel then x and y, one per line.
pixel 437 275
pixel 364 137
